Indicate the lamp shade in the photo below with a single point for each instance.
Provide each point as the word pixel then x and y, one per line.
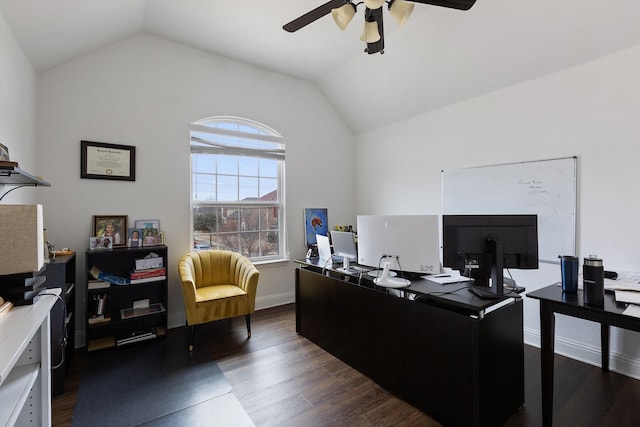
pixel 370 33
pixel 401 10
pixel 374 4
pixel 343 15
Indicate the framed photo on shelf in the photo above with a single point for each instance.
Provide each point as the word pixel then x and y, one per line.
pixel 315 222
pixel 147 223
pixel 113 227
pixel 99 243
pixel 134 237
pixel 160 238
pixel 4 153
pixel 99 160
pixel 149 236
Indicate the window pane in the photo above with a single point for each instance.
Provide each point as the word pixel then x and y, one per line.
pixel 230 219
pixel 228 165
pixel 268 187
pixel 249 166
pixel 269 218
pixel 203 163
pixel 269 243
pixel 227 189
pixel 248 189
pixel 204 187
pixel 250 219
pixel 269 168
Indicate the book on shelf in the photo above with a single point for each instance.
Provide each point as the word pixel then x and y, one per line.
pixel 129 313
pixel 99 275
pixel 98 284
pixel 148 272
pixel 136 336
pixel 140 276
pixel 147 279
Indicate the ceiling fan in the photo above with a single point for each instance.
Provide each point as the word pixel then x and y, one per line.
pixel 373 32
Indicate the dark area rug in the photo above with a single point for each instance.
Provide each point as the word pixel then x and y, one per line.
pixel 133 385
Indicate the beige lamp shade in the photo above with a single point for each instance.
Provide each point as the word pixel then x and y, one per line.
pixel 374 4
pixel 343 15
pixel 401 10
pixel 370 33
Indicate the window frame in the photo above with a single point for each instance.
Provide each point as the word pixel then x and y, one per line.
pixel 265 143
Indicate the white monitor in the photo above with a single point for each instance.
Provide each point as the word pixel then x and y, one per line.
pixel 410 242
pixel 344 244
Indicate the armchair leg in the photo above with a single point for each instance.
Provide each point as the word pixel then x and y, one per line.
pixel 192 336
pixel 248 317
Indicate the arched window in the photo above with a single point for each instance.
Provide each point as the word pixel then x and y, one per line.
pixel 237 187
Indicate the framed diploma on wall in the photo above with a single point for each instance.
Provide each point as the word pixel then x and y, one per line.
pixel 107 161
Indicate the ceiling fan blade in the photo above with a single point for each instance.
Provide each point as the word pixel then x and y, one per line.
pixel 454 4
pixel 313 15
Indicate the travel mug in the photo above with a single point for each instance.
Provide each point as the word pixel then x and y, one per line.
pixel 569 270
pixel 593 281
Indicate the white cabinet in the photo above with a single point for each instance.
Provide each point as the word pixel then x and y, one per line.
pixel 25 363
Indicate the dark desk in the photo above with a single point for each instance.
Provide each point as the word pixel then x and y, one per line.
pixel 455 356
pixel 553 300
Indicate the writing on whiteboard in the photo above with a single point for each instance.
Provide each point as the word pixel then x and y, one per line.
pixel 533 186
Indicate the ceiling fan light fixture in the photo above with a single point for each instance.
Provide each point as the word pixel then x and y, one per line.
pixel 374 4
pixel 370 33
pixel 343 15
pixel 400 10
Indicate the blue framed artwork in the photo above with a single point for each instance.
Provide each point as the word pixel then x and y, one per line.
pixel 315 222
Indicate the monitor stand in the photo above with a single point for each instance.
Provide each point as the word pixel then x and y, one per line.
pixel 385 280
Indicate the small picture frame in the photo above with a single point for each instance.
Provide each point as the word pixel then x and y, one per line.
pixel 315 222
pixel 112 226
pixel 4 153
pixel 98 243
pixel 134 237
pixel 147 223
pixel 160 238
pixel 149 236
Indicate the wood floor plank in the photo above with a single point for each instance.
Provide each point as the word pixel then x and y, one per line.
pixel 282 379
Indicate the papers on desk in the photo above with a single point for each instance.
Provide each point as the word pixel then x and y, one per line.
pixel 627 289
pixel 632 310
pixel 627 281
pixel 445 279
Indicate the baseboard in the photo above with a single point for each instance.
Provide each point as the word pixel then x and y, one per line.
pixel 618 362
pixel 177 320
pixel 275 300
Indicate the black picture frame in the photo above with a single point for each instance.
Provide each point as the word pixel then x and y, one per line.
pixel 117 231
pixel 99 160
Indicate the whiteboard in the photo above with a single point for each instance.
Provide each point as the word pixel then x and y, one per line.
pixel 544 187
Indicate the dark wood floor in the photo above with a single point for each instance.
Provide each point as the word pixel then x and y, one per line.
pixel 282 379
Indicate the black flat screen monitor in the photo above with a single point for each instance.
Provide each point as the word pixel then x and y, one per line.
pixel 481 246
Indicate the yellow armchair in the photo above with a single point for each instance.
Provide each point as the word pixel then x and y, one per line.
pixel 217 284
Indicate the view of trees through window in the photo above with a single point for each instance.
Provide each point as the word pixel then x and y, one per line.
pixel 236 187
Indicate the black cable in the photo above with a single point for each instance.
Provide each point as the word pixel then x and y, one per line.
pixel 15 188
pixel 63 340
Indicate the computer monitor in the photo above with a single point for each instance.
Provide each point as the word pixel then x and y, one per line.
pixel 410 242
pixel 344 245
pixel 481 246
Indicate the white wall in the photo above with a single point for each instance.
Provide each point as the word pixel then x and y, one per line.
pixel 144 91
pixel 590 111
pixel 17 113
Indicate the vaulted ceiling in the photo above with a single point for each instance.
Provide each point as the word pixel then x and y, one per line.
pixel 441 56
